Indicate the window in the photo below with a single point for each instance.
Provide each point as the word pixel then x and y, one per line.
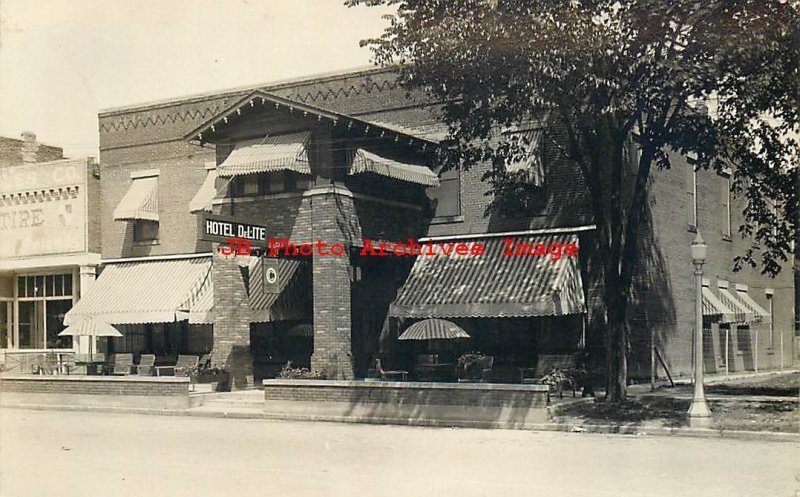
pixel 446 198
pixel 5 323
pixel 51 285
pixel 533 164
pixel 43 302
pixel 691 196
pixel 145 231
pixel 726 205
pixel 269 183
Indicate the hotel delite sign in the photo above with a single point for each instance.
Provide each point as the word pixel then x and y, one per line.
pixel 43 209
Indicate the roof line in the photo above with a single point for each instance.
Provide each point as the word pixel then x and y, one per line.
pixel 156 258
pixel 269 85
pixel 266 96
pixel 543 231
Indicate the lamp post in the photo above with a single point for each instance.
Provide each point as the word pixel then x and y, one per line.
pixel 699 413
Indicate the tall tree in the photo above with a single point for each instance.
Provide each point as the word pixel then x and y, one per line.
pixel 606 71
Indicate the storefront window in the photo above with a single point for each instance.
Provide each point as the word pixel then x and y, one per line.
pixel 5 323
pixel 55 311
pixel 43 300
pixel 31 324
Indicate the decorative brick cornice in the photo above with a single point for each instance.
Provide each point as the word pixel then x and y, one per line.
pixel 134 122
pixel 38 196
pixel 366 86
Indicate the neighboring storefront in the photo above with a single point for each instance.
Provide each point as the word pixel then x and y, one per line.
pixel 49 251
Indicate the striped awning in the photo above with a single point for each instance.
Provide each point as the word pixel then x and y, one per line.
pixel 368 162
pixel 741 313
pixel 269 154
pixel 200 304
pixel 760 315
pixel 493 284
pixel 714 309
pixel 143 292
pixel 434 329
pixel 287 298
pixel 140 201
pixel 205 195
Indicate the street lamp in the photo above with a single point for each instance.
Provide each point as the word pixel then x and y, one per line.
pixel 699 413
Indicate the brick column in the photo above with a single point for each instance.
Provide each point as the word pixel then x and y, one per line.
pixel 231 320
pixel 331 282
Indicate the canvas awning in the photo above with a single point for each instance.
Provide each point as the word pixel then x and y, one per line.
pixel 143 291
pixel 714 309
pixel 140 201
pixel 368 162
pixel 205 195
pixel 493 284
pixel 269 154
pixel 741 313
pixel 286 298
pixel 200 304
pixel 760 315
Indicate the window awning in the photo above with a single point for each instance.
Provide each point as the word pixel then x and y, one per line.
pixel 286 298
pixel 741 313
pixel 760 315
pixel 140 201
pixel 143 292
pixel 273 153
pixel 714 309
pixel 368 162
pixel 200 304
pixel 493 284
pixel 205 195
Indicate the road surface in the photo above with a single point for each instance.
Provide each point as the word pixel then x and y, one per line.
pixel 58 453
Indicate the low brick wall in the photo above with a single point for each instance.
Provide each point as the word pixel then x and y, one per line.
pixel 434 404
pixel 95 391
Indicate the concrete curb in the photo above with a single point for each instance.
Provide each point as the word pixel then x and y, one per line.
pixel 608 429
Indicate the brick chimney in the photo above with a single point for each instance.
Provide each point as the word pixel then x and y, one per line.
pixel 29 147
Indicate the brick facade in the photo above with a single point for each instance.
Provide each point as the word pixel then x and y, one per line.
pixel 153 136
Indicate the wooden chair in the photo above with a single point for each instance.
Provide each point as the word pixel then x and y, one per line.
pixel 122 364
pixel 548 363
pixel 68 363
pixel 184 365
pixel 486 368
pixel 146 365
pixel 388 375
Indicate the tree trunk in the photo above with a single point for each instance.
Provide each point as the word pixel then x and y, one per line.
pixel 616 349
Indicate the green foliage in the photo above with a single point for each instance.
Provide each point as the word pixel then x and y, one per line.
pixel 292 373
pixel 603 72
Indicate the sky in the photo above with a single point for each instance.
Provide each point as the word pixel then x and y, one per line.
pixel 62 61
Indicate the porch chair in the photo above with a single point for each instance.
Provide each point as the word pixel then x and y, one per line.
pixel 184 365
pixel 486 368
pixel 388 375
pixel 122 364
pixel 146 365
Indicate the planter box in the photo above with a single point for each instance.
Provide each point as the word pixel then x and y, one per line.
pixel 220 382
pixel 412 403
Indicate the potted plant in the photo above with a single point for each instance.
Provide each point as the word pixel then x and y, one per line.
pixel 291 373
pixel 470 365
pixel 218 377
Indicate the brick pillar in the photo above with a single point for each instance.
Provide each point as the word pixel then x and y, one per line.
pixel 231 320
pixel 331 282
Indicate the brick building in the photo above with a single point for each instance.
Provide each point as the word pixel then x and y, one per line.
pixel 49 245
pixel 348 158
